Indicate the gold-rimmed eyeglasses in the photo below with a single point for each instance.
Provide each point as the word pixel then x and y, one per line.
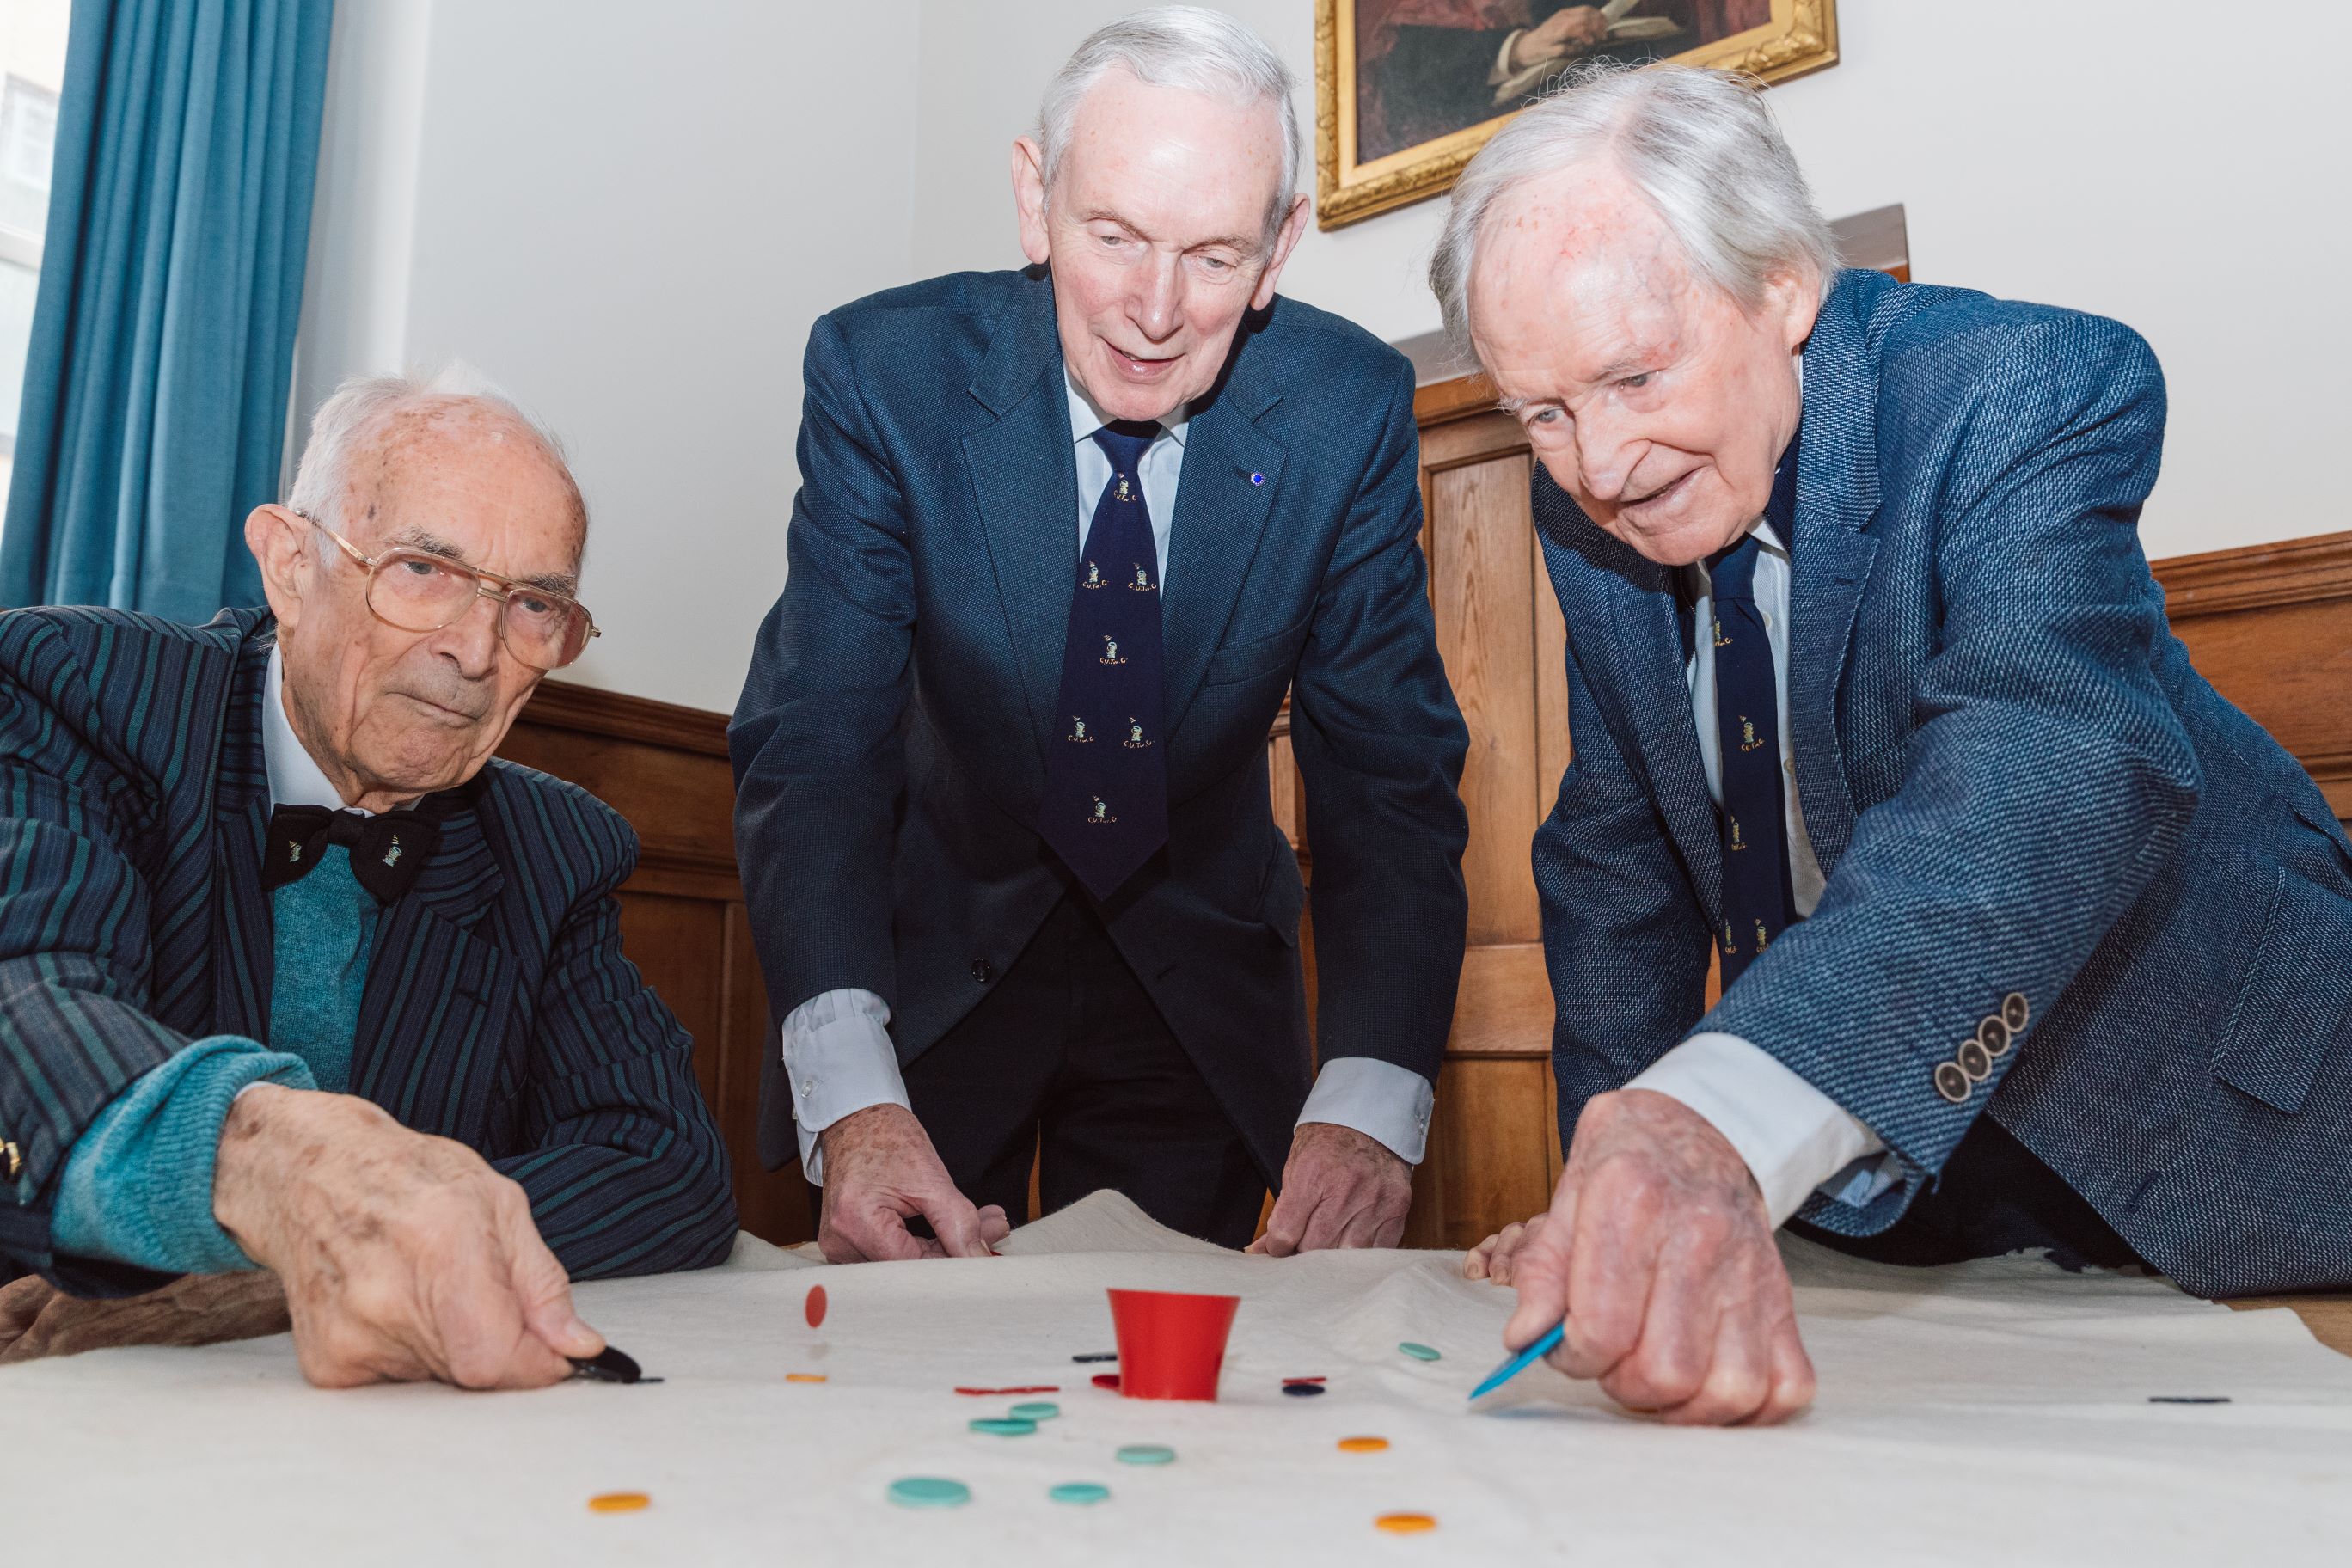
pixel 418 591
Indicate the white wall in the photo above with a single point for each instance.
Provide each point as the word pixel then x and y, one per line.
pixel 628 216
pixel 2112 156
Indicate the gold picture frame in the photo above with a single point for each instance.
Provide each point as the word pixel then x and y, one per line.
pixel 1801 37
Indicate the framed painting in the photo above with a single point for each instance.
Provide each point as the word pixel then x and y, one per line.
pixel 1407 91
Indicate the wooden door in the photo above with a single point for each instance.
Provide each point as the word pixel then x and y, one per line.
pixel 1493 1147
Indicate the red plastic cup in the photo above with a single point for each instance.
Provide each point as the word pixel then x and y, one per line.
pixel 1171 1345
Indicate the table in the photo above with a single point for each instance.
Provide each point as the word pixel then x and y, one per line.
pixel 1995 1411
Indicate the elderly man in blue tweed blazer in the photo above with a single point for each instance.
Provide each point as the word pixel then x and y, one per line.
pixel 2028 937
pixel 293 973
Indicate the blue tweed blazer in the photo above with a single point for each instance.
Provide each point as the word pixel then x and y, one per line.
pixel 2016 783
pixel 890 744
pixel 499 1009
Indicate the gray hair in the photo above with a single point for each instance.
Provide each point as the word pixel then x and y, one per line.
pixel 1702 148
pixel 345 425
pixel 1186 46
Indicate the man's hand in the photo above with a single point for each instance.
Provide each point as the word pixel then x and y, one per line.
pixel 1658 1252
pixel 1492 1259
pixel 404 1256
pixel 1339 1188
pixel 37 1321
pixel 880 1169
pixel 1559 35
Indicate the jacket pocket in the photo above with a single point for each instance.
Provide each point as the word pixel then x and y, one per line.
pixel 2296 1003
pixel 1237 662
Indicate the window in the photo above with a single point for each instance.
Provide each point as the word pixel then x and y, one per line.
pixel 32 69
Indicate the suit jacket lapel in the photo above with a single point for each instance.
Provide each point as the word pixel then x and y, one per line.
pixel 1025 478
pixel 418 938
pixel 1837 497
pixel 1645 611
pixel 242 959
pixel 1232 471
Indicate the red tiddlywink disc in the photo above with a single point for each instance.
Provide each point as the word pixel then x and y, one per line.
pixel 815 1306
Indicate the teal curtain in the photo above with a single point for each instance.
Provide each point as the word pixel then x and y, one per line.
pixel 162 339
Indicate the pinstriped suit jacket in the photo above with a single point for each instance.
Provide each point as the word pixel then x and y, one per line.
pixel 499 1009
pixel 2016 783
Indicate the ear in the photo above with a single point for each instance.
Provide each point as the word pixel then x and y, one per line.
pixel 1029 198
pixel 1285 239
pixel 282 545
pixel 1794 298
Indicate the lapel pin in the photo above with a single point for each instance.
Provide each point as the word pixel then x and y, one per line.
pixel 1258 479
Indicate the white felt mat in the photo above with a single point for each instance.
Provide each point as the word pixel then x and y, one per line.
pixel 1997 1412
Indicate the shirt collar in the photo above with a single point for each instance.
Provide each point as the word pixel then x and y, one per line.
pixel 294 778
pixel 1086 418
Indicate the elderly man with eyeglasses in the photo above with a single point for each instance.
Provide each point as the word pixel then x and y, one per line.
pixel 303 997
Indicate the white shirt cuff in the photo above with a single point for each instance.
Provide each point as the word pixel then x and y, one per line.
pixel 1501 70
pixel 1794 1137
pixel 1385 1102
pixel 839 1059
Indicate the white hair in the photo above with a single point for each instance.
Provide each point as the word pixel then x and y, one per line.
pixel 348 423
pixel 1700 146
pixel 1186 46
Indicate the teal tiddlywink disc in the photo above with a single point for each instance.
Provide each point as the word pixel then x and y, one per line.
pixel 1080 1492
pixel 1004 1426
pixel 1146 1454
pixel 929 1491
pixel 1418 1353
pixel 1037 1410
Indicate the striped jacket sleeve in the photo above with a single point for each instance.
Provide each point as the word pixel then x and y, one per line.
pixel 627 1172
pixel 75 960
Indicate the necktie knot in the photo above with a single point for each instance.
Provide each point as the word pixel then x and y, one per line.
pixel 1124 442
pixel 386 851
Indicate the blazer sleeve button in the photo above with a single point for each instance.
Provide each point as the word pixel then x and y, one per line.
pixel 2015 1012
pixel 16 1161
pixel 1974 1060
pixel 982 971
pixel 1993 1036
pixel 1951 1082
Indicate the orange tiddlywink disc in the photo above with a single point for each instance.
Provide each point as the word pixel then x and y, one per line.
pixel 803 1377
pixel 619 1502
pixel 1363 1445
pixel 1406 1524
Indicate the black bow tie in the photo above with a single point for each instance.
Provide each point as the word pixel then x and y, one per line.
pixel 386 851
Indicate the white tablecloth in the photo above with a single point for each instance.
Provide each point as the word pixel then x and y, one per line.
pixel 1993 1413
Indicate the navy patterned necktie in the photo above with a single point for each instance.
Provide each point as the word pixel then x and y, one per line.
pixel 1757 904
pixel 1106 805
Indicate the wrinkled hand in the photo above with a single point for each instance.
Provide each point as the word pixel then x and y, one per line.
pixel 37 1320
pixel 1492 1259
pixel 404 1256
pixel 879 1170
pixel 1559 35
pixel 1339 1188
pixel 1658 1240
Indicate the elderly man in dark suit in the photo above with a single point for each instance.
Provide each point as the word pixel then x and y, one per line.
pixel 1003 807
pixel 2028 937
pixel 294 973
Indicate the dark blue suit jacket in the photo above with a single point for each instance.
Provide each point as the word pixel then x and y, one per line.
pixel 2015 782
pixel 890 744
pixel 499 1009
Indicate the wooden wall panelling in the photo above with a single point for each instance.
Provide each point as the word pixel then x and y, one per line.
pixel 2271 627
pixel 683 922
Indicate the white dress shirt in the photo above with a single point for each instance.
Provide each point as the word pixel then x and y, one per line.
pixel 1794 1138
pixel 295 779
pixel 837 1049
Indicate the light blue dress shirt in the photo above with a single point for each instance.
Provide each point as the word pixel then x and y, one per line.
pixel 837 1051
